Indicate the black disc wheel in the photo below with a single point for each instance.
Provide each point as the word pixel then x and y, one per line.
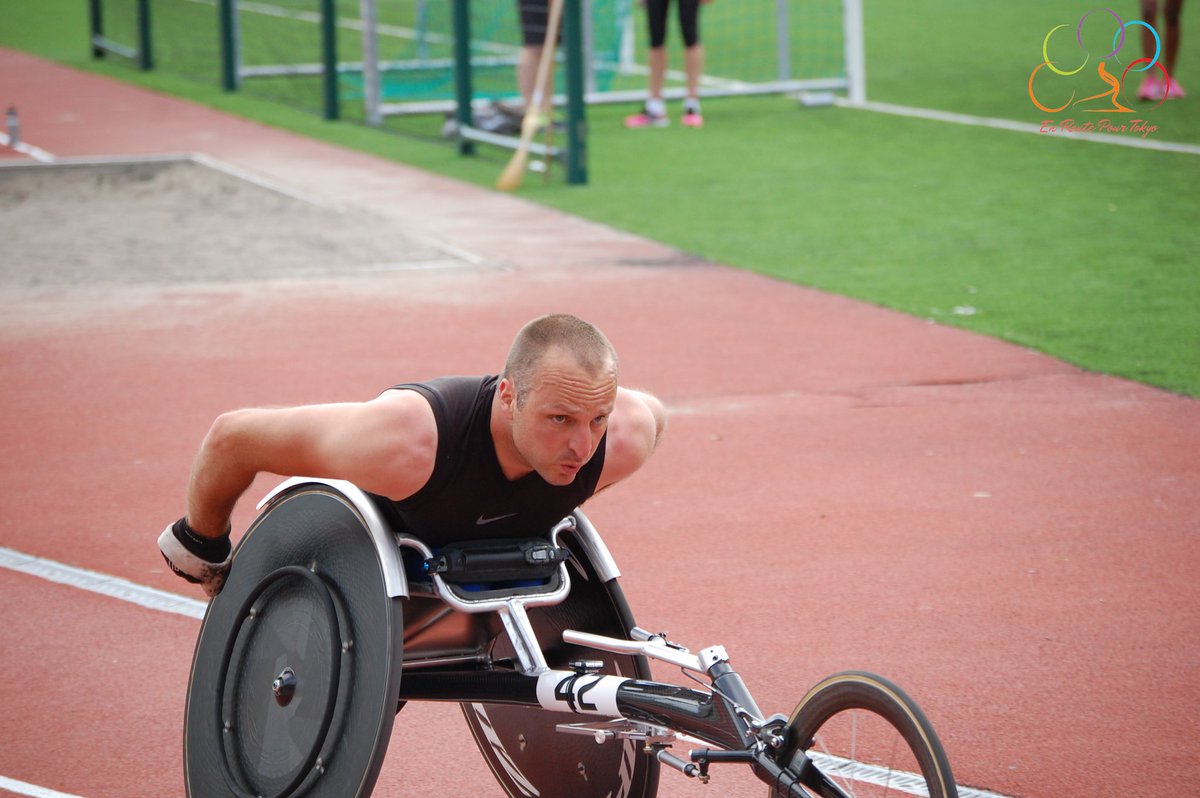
pixel 296 673
pixel 522 747
pixel 856 734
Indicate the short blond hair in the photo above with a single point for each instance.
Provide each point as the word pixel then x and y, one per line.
pixel 583 340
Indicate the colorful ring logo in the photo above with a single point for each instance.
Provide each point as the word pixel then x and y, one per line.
pixel 1120 36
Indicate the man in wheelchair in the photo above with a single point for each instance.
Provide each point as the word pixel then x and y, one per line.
pixel 453 458
pixel 319 638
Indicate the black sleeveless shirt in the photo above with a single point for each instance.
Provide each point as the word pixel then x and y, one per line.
pixel 468 497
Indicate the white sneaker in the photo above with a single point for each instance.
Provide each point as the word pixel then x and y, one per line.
pixel 189 566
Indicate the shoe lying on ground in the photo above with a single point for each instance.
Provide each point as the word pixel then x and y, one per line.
pixel 646 119
pixel 209 574
pixel 1152 88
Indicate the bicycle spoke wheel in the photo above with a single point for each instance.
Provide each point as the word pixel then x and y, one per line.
pixel 856 734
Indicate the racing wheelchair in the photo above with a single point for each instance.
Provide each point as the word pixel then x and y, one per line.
pixel 331 621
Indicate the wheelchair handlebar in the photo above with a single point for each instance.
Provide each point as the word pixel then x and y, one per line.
pixel 654 647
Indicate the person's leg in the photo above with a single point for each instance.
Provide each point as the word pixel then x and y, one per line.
pixel 1149 11
pixel 694 64
pixel 535 17
pixel 693 59
pixel 1172 12
pixel 657 58
pixel 1153 87
pixel 654 113
pixel 656 16
pixel 527 64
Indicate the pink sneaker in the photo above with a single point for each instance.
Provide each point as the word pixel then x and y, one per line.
pixel 1152 88
pixel 646 119
pixel 1175 91
pixel 692 119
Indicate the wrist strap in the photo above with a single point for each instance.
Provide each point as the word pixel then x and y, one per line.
pixel 212 549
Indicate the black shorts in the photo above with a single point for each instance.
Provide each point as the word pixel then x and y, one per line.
pixel 689 21
pixel 535 16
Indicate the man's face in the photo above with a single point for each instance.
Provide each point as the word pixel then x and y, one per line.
pixel 563 415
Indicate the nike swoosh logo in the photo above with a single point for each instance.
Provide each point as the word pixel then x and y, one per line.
pixel 480 521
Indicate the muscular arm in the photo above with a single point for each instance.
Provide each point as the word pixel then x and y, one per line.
pixel 635 428
pixel 386 446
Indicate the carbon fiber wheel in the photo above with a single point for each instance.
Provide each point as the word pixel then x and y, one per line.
pixel 296 673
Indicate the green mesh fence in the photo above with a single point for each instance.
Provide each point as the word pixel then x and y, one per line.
pixel 119 29
pixel 186 39
pixel 278 47
pixel 749 43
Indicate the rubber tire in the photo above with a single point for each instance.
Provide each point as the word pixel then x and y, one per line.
pixel 857 690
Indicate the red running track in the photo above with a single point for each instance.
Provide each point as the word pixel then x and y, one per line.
pixel 1009 537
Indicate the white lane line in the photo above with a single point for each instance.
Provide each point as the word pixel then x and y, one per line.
pixel 36 153
pixel 22 788
pixel 103 584
pixel 1022 127
pixel 94 582
pixel 900 781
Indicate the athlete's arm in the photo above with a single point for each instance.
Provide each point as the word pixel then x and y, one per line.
pixel 386 446
pixel 635 428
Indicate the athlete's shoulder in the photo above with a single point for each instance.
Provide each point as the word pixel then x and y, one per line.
pixel 635 429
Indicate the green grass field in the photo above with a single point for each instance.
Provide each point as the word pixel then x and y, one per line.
pixel 1082 250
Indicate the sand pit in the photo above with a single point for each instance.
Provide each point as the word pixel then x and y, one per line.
pixel 184 220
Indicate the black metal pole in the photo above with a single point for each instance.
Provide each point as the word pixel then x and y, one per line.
pixel 329 57
pixel 226 19
pixel 145 40
pixel 97 15
pixel 462 73
pixel 576 108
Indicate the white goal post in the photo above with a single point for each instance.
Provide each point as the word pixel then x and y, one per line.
pixel 613 72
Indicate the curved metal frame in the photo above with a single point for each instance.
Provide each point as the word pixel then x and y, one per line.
pixel 385 539
pixel 394 580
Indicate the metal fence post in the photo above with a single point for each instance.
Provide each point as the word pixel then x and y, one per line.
pixel 97 15
pixel 145 40
pixel 576 109
pixel 372 88
pixel 227 23
pixel 329 59
pixel 462 73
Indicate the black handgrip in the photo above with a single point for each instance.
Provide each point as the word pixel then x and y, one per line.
pixel 497 560
pixel 710 755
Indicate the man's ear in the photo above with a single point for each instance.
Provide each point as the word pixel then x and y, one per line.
pixel 507 392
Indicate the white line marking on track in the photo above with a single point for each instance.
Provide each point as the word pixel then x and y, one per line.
pixel 22 788
pixel 1021 127
pixel 253 179
pixel 36 153
pixel 103 584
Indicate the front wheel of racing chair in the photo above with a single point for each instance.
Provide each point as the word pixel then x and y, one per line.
pixel 296 671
